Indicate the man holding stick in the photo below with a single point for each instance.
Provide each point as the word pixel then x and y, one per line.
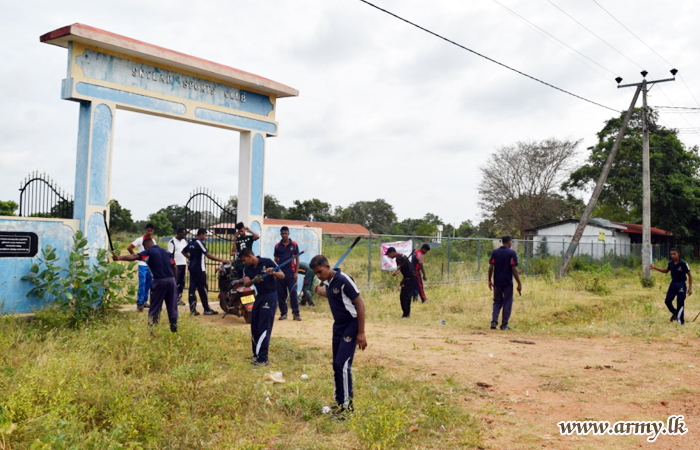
pixel 503 266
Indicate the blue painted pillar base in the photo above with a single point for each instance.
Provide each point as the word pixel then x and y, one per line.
pixel 251 177
pixel 93 171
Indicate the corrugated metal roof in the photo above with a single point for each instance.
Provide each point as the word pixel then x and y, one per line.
pixel 637 229
pixel 327 227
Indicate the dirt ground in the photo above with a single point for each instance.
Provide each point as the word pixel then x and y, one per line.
pixel 521 390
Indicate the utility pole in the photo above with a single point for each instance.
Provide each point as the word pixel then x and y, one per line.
pixel 646 172
pixel 646 228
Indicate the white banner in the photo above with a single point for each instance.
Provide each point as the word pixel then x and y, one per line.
pixel 403 247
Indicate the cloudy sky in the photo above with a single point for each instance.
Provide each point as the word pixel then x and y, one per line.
pixel 385 110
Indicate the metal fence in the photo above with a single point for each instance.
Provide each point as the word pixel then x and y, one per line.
pixel 454 259
pixel 40 196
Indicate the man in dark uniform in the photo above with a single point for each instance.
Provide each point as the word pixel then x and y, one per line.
pixel 260 271
pixel 287 249
pixel 348 328
pixel 503 266
pixel 196 251
pixel 679 269
pixel 419 269
pixel 408 284
pixel 164 287
pixel 241 240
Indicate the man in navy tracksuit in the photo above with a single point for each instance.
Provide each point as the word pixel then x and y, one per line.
pixel 408 284
pixel 164 287
pixel 348 328
pixel 285 250
pixel 503 266
pixel 260 272
pixel 679 269
pixel 196 252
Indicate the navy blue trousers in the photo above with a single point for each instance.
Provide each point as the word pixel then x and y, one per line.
pixel 163 290
pixel 344 343
pixel 679 291
pixel 261 320
pixel 285 287
pixel 181 270
pixel 198 283
pixel 502 299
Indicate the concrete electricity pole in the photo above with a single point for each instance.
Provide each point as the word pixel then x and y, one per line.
pixel 646 206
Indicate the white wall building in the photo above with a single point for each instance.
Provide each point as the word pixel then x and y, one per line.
pixel 600 237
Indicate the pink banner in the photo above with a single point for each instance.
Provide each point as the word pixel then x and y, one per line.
pixel 403 247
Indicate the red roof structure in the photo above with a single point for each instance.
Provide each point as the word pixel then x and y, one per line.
pixel 632 228
pixel 326 227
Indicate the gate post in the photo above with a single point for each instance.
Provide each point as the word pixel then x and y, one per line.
pixel 251 177
pixel 93 170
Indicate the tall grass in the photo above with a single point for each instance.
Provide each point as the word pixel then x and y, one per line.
pixel 112 385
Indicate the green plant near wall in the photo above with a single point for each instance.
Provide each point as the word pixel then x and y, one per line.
pixel 82 288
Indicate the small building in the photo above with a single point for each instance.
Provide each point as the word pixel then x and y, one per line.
pixel 600 237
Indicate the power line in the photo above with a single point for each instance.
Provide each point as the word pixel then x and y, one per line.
pixel 557 40
pixel 486 57
pixel 631 32
pixel 678 107
pixel 600 38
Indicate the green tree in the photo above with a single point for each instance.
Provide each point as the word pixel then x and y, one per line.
pixel 231 208
pixel 273 208
pixel 120 218
pixel 377 216
pixel 466 229
pixel 176 214
pixel 163 226
pixel 313 209
pixel 675 187
pixel 8 208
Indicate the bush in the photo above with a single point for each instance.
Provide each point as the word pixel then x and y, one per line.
pixel 78 289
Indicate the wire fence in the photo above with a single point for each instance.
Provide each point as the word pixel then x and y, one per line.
pixel 454 259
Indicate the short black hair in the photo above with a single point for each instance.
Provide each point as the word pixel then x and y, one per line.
pixel 425 247
pixel 150 225
pixel 245 252
pixel 147 240
pixel 390 250
pixel 318 260
pixel 240 226
pixel 674 249
pixel 284 228
pixel 506 239
pixel 181 230
pixel 201 231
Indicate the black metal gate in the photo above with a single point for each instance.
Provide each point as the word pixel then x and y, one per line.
pixel 205 210
pixel 39 196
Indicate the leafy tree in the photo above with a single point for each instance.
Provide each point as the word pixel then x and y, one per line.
pixel 176 214
pixel 8 208
pixel 313 209
pixel 120 218
pixel 675 187
pixel 231 207
pixel 466 229
pixel 377 216
pixel 163 225
pixel 520 182
pixel 273 208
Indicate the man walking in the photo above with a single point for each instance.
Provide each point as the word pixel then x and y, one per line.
pixel 196 252
pixel 503 266
pixel 145 277
pixel 408 284
pixel 419 269
pixel 164 288
pixel 679 270
pixel 285 250
pixel 175 248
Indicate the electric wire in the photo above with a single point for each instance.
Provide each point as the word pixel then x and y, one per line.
pixel 485 57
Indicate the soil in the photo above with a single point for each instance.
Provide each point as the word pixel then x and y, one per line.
pixel 521 390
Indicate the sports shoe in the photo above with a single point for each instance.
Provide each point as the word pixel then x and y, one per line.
pixel 494 325
pixel 173 328
pixel 341 412
pixel 146 305
pixel 259 363
pixel 406 316
pixel 180 303
pixel 673 317
pixel 505 328
pixel 282 317
pixel 210 312
pixel 297 317
pixel 139 308
pixel 194 312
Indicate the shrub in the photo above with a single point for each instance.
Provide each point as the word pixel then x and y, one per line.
pixel 381 426
pixel 79 289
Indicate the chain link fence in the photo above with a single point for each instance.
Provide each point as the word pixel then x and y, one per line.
pixel 454 259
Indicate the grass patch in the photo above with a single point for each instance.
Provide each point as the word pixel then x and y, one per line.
pixel 111 385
